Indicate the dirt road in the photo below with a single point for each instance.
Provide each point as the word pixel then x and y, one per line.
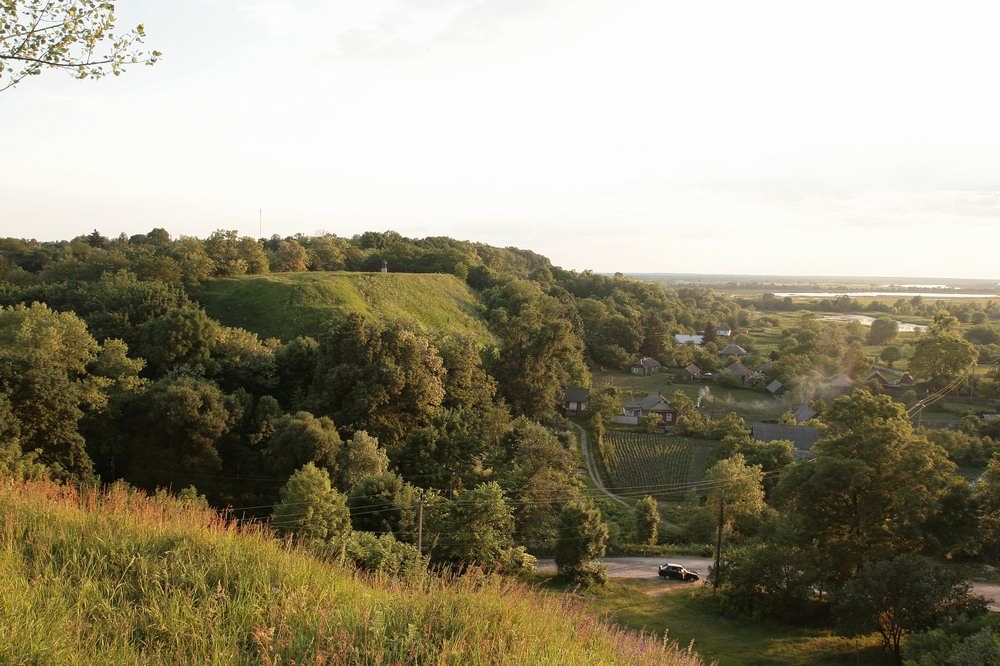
pixel 591 470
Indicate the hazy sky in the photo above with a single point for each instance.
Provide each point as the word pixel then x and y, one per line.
pixel 716 137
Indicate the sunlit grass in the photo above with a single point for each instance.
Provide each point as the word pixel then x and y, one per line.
pixel 119 578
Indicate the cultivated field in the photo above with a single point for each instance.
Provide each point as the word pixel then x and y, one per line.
pixel 639 463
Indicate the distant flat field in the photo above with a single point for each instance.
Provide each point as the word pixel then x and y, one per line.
pixel 286 305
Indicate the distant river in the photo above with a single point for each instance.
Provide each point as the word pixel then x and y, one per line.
pixel 867 321
pixel 898 294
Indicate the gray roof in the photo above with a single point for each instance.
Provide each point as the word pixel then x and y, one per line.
pixel 774 386
pixel 738 369
pixel 647 403
pixel 647 362
pixel 576 395
pixel 877 375
pixel 803 437
pixel 764 367
pixel 733 349
pixel 693 370
pixel 682 339
pixel 804 413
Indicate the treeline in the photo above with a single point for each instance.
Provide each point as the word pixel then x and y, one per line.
pixel 615 318
pixel 969 311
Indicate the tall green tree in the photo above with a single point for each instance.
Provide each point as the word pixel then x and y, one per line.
pixel 647 520
pixel 311 509
pixel 381 378
pixel 44 361
pixel 475 527
pixel 541 348
pixel 361 457
pixel 883 331
pixel 582 538
pixel 184 336
pixel 172 431
pixel 302 438
pixel 942 358
pixel 900 596
pixel 874 489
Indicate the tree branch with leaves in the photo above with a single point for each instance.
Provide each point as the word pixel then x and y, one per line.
pixel 76 36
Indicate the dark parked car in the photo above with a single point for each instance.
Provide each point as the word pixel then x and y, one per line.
pixel 678 572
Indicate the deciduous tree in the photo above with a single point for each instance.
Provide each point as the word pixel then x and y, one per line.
pixel 311 508
pixel 77 36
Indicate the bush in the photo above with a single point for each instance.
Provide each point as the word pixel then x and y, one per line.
pixel 383 555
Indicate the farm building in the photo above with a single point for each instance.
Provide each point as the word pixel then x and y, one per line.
pixel 574 402
pixel 682 339
pixel 804 413
pixel 693 371
pixel 906 381
pixel 733 349
pixel 775 387
pixel 645 366
pixel 803 437
pixel 739 370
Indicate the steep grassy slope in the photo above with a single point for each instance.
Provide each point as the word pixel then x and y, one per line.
pixel 123 579
pixel 284 305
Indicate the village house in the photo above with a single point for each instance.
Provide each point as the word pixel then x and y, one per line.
pixel 692 372
pixel 683 339
pixel 774 388
pixel 645 366
pixel 574 402
pixel 654 403
pixel 734 350
pixel 877 377
pixel 724 332
pixel 804 413
pixel 739 370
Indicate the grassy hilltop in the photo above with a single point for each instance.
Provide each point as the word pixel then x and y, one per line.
pixel 119 578
pixel 284 305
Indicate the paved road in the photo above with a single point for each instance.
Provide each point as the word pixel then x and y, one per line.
pixel 642 567
pixel 645 567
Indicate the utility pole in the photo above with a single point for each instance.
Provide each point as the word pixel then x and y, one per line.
pixel 718 546
pixel 420 525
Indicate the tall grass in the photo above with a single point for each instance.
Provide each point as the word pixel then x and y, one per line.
pixel 120 578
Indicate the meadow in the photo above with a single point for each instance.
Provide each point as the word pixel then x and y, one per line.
pixel 286 305
pixel 689 616
pixel 119 578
